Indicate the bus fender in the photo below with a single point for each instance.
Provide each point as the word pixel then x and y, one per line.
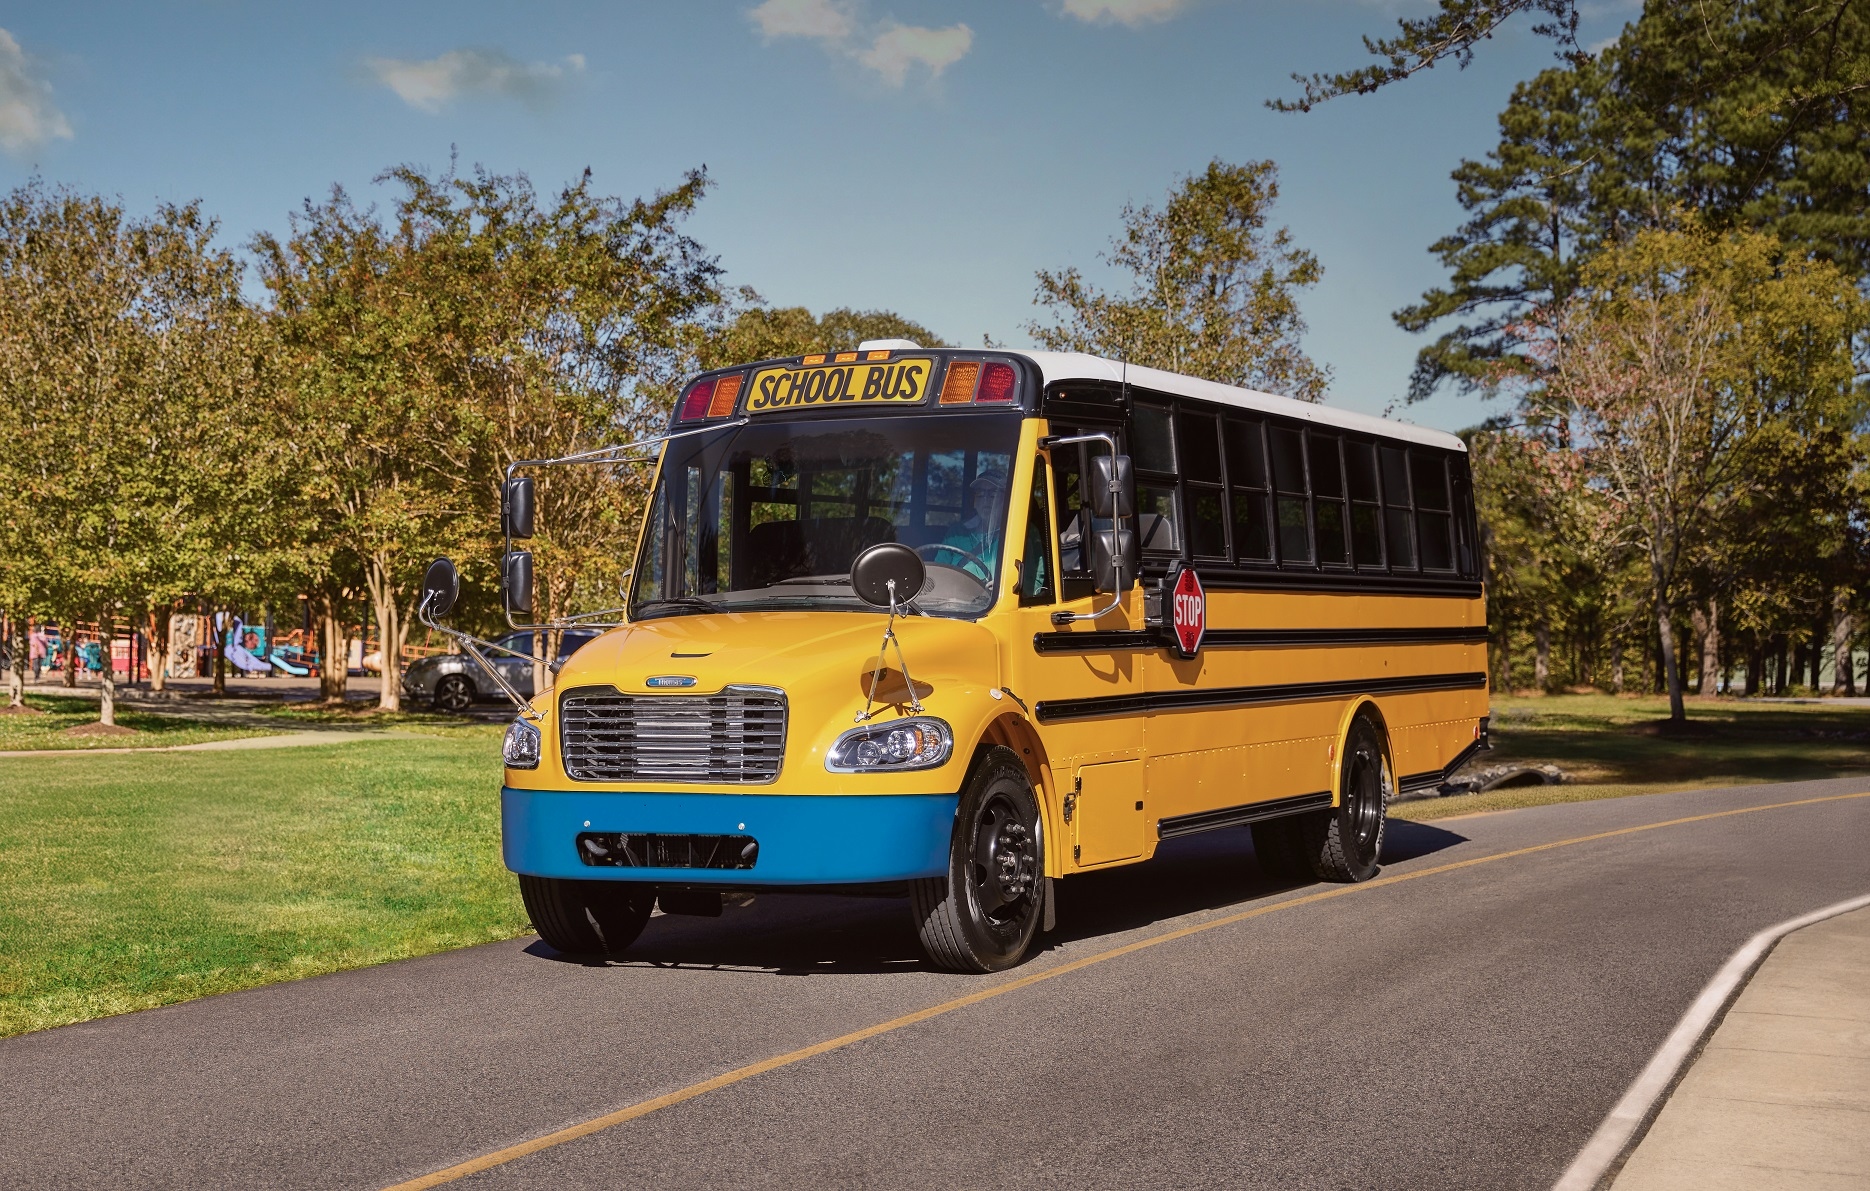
pixel 1363 705
pixel 1017 733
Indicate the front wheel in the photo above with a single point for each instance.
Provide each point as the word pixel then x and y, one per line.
pixel 983 915
pixel 586 917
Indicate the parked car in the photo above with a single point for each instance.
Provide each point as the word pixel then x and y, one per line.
pixel 453 682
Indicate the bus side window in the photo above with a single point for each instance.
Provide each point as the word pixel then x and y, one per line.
pixel 1246 487
pixel 1152 453
pixel 1288 451
pixel 1035 576
pixel 1466 558
pixel 1327 498
pixel 1198 446
pixel 1360 475
pixel 1396 509
pixel 1433 522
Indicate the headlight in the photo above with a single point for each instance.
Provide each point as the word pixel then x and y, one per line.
pixel 521 750
pixel 919 743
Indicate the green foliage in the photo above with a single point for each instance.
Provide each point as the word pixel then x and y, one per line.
pixel 763 333
pixel 1213 293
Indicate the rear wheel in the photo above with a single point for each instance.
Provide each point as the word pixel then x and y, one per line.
pixel 454 693
pixel 586 917
pixel 982 916
pixel 1343 843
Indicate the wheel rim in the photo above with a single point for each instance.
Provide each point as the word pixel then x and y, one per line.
pixel 452 694
pixel 1364 805
pixel 1003 868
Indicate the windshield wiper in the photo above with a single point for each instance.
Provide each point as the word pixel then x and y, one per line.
pixel 673 606
pixel 844 582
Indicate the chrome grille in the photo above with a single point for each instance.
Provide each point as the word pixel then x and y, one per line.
pixel 738 735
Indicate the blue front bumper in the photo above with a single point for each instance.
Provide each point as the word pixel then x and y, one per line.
pixel 805 839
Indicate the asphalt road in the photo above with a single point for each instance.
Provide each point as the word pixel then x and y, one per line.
pixel 1465 1029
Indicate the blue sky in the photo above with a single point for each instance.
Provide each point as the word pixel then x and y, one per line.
pixel 925 156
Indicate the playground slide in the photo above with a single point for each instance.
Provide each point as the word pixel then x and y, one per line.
pixel 279 661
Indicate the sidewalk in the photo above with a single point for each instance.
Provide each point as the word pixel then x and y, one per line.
pixel 1780 1096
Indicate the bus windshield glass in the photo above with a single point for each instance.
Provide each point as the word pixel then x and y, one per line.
pixel 768 516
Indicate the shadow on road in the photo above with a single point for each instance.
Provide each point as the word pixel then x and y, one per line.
pixel 809 934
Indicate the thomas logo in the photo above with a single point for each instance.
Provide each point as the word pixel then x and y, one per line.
pixel 668 680
pixel 1188 605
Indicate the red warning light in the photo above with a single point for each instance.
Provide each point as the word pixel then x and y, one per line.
pixel 996 384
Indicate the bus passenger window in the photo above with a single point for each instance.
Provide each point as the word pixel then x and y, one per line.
pixel 1035 576
pixel 1396 519
pixel 1198 445
pixel 1207 521
pixel 1360 475
pixel 1295 543
pixel 1433 524
pixel 1246 482
pixel 1327 499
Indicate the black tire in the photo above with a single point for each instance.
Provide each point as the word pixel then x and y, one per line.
pixel 586 917
pixel 983 915
pixel 1345 842
pixel 1280 850
pixel 453 694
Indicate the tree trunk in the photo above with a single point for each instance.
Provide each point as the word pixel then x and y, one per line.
pixel 1671 672
pixel 158 631
pixel 1542 658
pixel 69 644
pixel 1843 628
pixel 223 633
pixel 18 646
pixel 334 652
pixel 1756 665
pixel 1708 632
pixel 1616 667
pixel 1782 648
pixel 1503 661
pixel 387 610
pixel 107 680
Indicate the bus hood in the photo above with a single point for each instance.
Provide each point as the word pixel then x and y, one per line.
pixel 822 660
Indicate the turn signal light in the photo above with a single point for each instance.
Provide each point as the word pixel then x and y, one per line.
pixel 996 383
pixel 958 388
pixel 726 392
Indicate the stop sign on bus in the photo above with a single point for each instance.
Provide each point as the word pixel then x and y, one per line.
pixel 1188 605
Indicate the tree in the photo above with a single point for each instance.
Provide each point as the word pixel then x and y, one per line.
pixel 1681 361
pixel 1213 294
pixel 761 332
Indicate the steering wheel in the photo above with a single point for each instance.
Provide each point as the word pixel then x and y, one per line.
pixel 968 559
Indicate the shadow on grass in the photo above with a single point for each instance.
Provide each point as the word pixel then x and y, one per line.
pixel 785 934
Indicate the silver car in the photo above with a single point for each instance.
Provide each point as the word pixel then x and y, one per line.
pixel 453 682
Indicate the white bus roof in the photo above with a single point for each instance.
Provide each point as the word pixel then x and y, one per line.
pixel 1070 366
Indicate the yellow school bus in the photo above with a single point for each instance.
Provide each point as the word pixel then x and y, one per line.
pixel 957 625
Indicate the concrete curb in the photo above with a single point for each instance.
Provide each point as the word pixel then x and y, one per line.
pixel 1607 1150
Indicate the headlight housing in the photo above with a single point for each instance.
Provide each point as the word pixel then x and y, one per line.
pixel 918 742
pixel 521 750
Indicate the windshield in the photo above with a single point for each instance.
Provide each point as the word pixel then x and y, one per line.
pixel 769 516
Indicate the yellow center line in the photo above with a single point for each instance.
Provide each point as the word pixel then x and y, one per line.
pixel 643 1108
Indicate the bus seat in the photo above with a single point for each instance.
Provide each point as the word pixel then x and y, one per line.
pixel 832 542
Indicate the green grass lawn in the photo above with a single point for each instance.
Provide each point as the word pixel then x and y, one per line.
pixel 1610 747
pixel 130 881
pixel 47 731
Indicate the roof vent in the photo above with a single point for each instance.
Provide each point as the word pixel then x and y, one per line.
pixel 888 344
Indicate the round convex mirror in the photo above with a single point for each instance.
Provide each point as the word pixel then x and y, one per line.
pixel 441 587
pixel 876 569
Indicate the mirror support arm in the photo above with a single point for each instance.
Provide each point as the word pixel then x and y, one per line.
pixel 472 646
pixel 1116 522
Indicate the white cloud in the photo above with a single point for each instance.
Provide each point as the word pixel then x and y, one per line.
pixel 891 50
pixel 1123 12
pixel 803 18
pixel 28 118
pixel 429 84
pixel 901 46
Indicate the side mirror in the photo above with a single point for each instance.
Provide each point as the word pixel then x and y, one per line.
pixel 516 578
pixel 516 507
pixel 1113 560
pixel 1098 486
pixel 441 587
pixel 888 573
